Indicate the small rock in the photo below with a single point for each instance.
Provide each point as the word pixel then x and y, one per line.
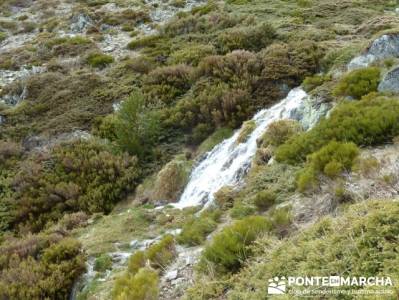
pixel 171 275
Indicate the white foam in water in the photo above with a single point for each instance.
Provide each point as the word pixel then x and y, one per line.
pixel 228 161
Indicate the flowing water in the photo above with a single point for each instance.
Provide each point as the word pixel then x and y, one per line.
pixel 228 162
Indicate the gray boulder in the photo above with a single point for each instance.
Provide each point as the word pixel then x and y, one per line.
pixel 80 23
pixel 385 46
pixel 311 110
pixel 390 82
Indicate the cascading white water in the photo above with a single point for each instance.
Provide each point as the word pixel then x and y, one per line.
pixel 228 161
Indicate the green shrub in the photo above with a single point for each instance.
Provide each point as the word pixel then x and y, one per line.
pixel 264 200
pixel 196 229
pixel 59 103
pixel 224 197
pixel 136 262
pixel 191 54
pixel 103 263
pixel 358 243
pixel 331 160
pixel 41 266
pixel 200 133
pixel 247 38
pixel 141 286
pixel 161 253
pixel 281 219
pixel 371 121
pixel 312 82
pixel 358 83
pixel 137 127
pixel 147 41
pixel 278 132
pixel 99 60
pixel 165 84
pixel 81 176
pixel 229 248
pixel 247 128
pixel 72 46
pixel 241 210
pixel 3 36
pixel 171 180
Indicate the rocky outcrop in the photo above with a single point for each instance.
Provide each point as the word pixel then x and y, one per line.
pixel 384 47
pixel 80 23
pixel 390 82
pixel 311 110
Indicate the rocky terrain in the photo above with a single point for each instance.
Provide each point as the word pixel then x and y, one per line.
pixel 186 149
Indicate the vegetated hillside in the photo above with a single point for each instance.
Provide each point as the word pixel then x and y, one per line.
pixel 107 106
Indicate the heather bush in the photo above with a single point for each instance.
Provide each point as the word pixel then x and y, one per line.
pixel 171 179
pixel 241 210
pixel 161 253
pixel 229 248
pixel 165 84
pixel 141 286
pixel 360 242
pixel 71 46
pixel 278 132
pixel 312 82
pixel 81 176
pixel 191 54
pixel 103 263
pixel 264 200
pixel 246 38
pixel 196 229
pixel 358 83
pixel 331 160
pixel 99 60
pixel 247 128
pixel 41 266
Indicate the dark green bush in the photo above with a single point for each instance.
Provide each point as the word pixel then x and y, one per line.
pixel 103 263
pixel 264 200
pixel 141 286
pixel 72 46
pixel 99 60
pixel 196 229
pixel 165 84
pixel 41 266
pixel 136 262
pixel 81 176
pixel 136 126
pixel 371 121
pixel 191 54
pixel 312 82
pixel 161 253
pixel 331 160
pixel 361 242
pixel 278 132
pixel 358 83
pixel 229 248
pixel 241 210
pixel 246 38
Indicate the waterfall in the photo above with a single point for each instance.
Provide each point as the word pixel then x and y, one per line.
pixel 227 163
